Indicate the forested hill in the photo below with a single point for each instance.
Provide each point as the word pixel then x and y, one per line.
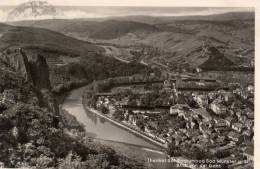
pixel 32 134
pixel 43 38
pixel 167 41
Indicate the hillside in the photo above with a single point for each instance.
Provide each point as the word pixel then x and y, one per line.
pixel 41 38
pixel 32 134
pixel 112 29
pixel 152 20
pixel 100 30
pixel 72 63
pixel 167 19
pixel 166 40
pixel 33 131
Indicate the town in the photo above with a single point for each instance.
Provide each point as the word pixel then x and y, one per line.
pixel 192 117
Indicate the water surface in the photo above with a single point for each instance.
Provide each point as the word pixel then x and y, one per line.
pixel 110 134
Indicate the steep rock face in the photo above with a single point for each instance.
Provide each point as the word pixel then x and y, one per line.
pixel 34 69
pixel 39 72
pixel 18 61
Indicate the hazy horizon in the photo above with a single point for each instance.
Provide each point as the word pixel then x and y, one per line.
pixel 74 12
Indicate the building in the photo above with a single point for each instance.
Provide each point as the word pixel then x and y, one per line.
pixel 220 123
pixel 237 127
pixel 249 124
pixel 248 134
pixel 176 109
pixel 201 100
pixel 185 115
pixel 132 119
pixel 228 97
pixel 217 107
pixel 203 114
pixel 229 121
pixel 250 88
pixel 220 140
pixel 168 84
pixel 235 137
pixel 251 116
pixel 198 70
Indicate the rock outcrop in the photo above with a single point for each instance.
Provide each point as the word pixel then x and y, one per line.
pixel 39 72
pixel 18 61
pixel 34 69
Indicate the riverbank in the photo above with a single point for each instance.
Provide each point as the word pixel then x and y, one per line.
pixel 177 160
pixel 121 140
pixel 104 132
pixel 138 133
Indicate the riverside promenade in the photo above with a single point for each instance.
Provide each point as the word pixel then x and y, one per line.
pixel 163 146
pixel 134 131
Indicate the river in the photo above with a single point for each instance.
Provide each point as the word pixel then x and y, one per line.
pixel 107 133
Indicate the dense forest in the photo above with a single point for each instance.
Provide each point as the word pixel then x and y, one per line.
pixel 92 67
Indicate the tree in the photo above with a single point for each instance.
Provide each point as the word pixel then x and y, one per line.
pixel 119 114
pixel 197 153
pixel 127 117
pixel 173 150
pixel 72 161
pixel 104 109
pixel 2 107
pixel 140 122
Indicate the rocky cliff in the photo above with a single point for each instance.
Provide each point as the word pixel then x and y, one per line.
pixel 17 61
pixel 39 71
pixel 34 69
pixel 31 134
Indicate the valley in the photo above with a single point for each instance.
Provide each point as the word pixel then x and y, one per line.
pixel 183 83
pixel 174 41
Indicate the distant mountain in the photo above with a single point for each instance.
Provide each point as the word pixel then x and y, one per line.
pixel 43 38
pixel 113 29
pixel 167 19
pixel 101 30
pixel 169 41
pixel 148 19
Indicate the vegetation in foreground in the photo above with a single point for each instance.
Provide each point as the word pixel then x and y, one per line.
pixel 32 135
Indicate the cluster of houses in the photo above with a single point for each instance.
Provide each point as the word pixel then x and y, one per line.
pixel 221 122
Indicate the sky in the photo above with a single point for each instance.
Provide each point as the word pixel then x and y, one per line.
pixel 236 3
pixel 70 9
